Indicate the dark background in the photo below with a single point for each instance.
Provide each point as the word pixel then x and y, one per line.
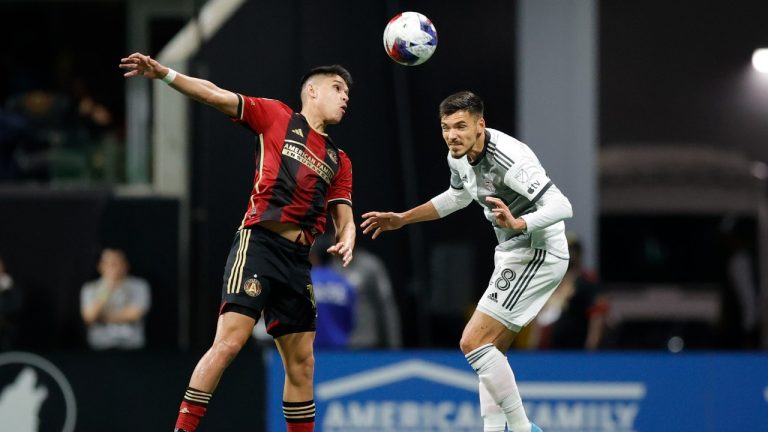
pixel 223 154
pixel 669 72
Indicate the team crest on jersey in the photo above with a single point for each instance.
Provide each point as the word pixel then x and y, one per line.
pixel 252 287
pixel 332 155
pixel 522 176
pixel 488 182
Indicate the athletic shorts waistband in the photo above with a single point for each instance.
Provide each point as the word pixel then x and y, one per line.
pixel 280 240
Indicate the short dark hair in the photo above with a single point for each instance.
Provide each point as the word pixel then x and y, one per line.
pixel 462 101
pixel 328 70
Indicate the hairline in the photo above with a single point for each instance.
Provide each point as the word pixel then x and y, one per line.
pixel 476 115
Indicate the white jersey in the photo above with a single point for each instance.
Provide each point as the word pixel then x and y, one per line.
pixel 509 170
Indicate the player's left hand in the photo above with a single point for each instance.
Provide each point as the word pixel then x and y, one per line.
pixel 504 217
pixel 342 250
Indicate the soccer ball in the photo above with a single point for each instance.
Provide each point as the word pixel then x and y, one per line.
pixel 410 38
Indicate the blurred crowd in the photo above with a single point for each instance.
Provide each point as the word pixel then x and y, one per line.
pixel 55 129
pixel 358 307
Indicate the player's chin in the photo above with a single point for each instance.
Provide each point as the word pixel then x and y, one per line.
pixel 456 154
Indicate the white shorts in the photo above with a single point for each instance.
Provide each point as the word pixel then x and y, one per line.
pixel 521 283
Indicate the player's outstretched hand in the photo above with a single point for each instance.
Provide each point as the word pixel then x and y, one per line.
pixel 380 222
pixel 342 250
pixel 504 217
pixel 138 64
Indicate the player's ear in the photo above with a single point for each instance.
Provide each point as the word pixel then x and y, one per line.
pixel 311 90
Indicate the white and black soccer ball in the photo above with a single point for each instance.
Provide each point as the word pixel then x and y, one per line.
pixel 410 38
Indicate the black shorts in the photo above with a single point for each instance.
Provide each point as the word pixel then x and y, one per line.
pixel 266 272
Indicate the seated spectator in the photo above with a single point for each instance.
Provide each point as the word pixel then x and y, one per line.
pixel 113 307
pixel 46 118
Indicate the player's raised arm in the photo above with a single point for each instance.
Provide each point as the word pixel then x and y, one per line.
pixel 138 64
pixel 390 221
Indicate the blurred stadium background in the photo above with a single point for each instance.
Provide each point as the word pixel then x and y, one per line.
pixel 648 115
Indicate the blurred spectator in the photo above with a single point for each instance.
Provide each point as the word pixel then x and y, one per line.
pixel 379 323
pixel 47 135
pixel 113 307
pixel 96 132
pixel 740 312
pixel 14 136
pixel 334 298
pixel 10 308
pixel 574 317
pixel 43 117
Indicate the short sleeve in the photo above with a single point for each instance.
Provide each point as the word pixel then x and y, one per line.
pixel 87 295
pixel 259 113
pixel 141 296
pixel 456 182
pixel 341 186
pixel 528 178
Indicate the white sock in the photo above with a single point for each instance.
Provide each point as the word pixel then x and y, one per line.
pixel 494 419
pixel 496 375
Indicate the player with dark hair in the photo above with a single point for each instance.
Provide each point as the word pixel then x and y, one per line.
pixel 526 211
pixel 300 175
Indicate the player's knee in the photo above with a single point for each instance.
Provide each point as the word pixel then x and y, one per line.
pixel 466 344
pixel 227 350
pixel 301 369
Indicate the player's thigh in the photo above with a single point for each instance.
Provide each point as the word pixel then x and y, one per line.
pixel 250 273
pixel 291 307
pixel 296 348
pixel 234 327
pixel 522 281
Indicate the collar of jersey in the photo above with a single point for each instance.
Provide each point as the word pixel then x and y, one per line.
pixel 485 149
pixel 309 128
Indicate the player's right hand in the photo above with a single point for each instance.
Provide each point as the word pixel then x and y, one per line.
pixel 138 64
pixel 380 222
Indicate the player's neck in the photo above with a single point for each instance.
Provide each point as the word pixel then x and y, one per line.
pixel 315 121
pixel 477 148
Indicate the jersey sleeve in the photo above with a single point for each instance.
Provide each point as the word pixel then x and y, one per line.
pixel 456 182
pixel 453 199
pixel 528 178
pixel 341 186
pixel 87 295
pixel 259 113
pixel 551 208
pixel 142 298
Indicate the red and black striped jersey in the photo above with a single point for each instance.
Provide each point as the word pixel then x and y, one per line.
pixel 299 171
